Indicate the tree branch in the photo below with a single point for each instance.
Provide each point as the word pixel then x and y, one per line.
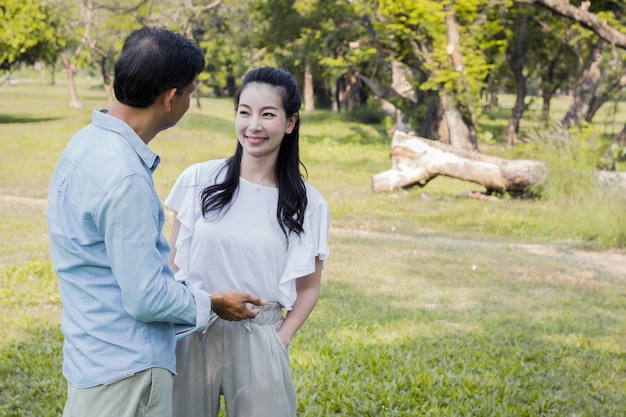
pixel 581 15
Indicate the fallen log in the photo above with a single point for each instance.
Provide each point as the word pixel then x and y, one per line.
pixel 416 161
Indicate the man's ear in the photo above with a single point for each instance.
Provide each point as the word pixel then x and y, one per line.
pixel 291 123
pixel 166 98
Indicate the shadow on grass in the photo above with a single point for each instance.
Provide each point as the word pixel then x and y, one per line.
pixel 357 136
pixel 7 119
pixel 31 382
pixel 359 356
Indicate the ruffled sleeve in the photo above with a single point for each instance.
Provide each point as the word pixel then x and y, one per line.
pixel 184 200
pixel 304 249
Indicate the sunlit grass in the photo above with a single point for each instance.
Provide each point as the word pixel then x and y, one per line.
pixel 430 303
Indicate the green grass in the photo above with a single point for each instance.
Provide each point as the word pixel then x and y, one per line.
pixel 440 307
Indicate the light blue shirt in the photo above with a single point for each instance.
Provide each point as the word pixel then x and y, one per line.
pixel 122 308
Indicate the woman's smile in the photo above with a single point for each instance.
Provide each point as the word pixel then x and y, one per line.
pixel 255 139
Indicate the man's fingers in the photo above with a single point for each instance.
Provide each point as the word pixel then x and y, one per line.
pixel 236 305
pixel 244 313
pixel 257 301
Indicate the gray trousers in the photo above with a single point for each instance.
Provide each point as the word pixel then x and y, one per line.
pixel 244 361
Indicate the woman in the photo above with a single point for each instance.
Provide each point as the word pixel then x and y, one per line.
pixel 249 222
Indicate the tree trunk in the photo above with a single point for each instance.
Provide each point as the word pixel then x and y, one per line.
pixel 426 119
pixel 584 93
pixel 493 99
pixel 309 104
pixel 52 75
pixel 460 127
pixel 70 69
pixel 71 82
pixel 546 97
pixel 516 62
pixel 460 131
pixel 548 87
pixel 400 82
pixel 349 92
pixel 620 141
pixel 107 78
pixel 422 107
pixel 611 90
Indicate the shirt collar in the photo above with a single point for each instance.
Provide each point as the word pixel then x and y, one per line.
pixel 102 119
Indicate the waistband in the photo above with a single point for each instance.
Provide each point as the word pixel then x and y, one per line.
pixel 271 313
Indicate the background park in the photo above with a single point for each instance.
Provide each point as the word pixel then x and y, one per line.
pixel 433 303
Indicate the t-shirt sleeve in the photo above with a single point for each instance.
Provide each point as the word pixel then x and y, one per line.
pixel 182 186
pixel 319 226
pixel 184 199
pixel 312 243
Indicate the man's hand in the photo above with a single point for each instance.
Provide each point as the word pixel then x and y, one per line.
pixel 232 305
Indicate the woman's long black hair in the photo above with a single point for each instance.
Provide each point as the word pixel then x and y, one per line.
pixel 292 200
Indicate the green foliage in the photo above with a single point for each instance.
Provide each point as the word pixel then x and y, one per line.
pixel 28 32
pixel 423 23
pixel 314 31
pixel 618 152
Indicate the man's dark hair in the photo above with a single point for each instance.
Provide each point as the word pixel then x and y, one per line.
pixel 152 61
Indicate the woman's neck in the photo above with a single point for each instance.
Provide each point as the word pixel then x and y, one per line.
pixel 259 171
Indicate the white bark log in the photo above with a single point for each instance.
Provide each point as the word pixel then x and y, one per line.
pixel 416 160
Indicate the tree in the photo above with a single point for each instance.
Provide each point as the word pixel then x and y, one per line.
pixel 516 54
pixel 230 51
pixel 443 44
pixel 29 32
pixel 310 38
pixel 601 18
pixel 581 14
pixel 95 32
pixel 552 56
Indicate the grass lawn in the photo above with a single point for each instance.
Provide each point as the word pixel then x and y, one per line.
pixel 438 307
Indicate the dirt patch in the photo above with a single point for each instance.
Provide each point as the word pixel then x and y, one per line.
pixel 29 201
pixel 612 261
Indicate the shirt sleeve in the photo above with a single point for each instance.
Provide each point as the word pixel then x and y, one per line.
pixel 129 220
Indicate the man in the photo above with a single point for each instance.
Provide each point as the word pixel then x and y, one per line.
pixel 122 307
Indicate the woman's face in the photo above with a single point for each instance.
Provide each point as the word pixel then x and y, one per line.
pixel 261 122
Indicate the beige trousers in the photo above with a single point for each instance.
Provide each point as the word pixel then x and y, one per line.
pixel 144 394
pixel 244 361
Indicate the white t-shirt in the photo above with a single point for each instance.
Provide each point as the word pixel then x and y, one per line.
pixel 244 248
